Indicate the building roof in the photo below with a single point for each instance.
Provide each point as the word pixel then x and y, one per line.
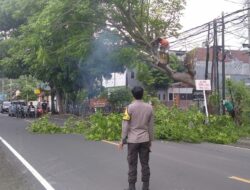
pixel 242 56
pixel 180 85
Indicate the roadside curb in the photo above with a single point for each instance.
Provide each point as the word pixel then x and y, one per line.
pixel 244 142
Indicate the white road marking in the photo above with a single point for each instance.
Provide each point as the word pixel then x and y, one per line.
pixel 28 166
pixel 240 179
pixel 109 142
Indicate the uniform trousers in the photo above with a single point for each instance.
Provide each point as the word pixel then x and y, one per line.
pixel 142 150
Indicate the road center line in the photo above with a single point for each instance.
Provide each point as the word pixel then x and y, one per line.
pixel 240 179
pixel 28 166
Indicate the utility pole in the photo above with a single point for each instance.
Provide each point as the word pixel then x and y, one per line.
pixel 248 15
pixel 215 66
pixel 2 86
pixel 208 51
pixel 10 88
pixel 223 61
pixel 213 76
pixel 248 27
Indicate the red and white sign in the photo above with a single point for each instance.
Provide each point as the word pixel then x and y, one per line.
pixel 98 103
pixel 203 84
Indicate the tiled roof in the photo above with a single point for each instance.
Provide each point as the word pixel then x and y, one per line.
pixel 180 85
pixel 242 56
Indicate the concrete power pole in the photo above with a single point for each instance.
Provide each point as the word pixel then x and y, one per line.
pixel 248 14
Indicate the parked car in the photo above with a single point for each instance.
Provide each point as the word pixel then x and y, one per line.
pixel 5 106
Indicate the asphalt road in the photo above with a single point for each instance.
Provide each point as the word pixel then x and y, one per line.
pixel 68 162
pixel 13 175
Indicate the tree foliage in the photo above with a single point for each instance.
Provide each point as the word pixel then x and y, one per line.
pixel 154 79
pixel 141 22
pixel 239 95
pixel 57 41
pixel 26 86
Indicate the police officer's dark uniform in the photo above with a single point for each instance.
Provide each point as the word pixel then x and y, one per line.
pixel 137 131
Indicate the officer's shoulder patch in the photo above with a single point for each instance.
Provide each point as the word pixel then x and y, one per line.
pixel 126 115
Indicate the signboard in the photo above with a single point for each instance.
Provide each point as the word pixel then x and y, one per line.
pixel 203 84
pixel 98 103
pixel 37 91
pixel 198 96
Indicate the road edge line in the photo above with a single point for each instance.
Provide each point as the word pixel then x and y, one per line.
pixel 109 142
pixel 35 173
pixel 240 179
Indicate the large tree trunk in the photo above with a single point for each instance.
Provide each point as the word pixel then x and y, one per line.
pixel 59 98
pixel 185 77
pixel 53 107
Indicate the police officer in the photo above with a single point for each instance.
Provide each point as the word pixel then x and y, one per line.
pixel 137 132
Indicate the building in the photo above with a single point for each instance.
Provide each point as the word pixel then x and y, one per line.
pixel 126 79
pixel 237 66
pixel 180 94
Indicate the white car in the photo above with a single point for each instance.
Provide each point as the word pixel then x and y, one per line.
pixel 5 107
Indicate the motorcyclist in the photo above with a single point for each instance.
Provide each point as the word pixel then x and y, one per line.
pixel 31 110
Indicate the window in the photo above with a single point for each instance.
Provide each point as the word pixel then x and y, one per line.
pixel 189 96
pixel 164 96
pixel 132 75
pixel 170 96
pixel 183 96
pixel 159 96
pixel 186 96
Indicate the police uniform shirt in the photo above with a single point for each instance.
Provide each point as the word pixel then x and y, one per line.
pixel 137 125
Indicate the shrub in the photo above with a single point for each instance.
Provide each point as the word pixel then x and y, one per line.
pixel 239 95
pixel 43 125
pixel 104 127
pixel 170 124
pixel 75 126
pixel 188 126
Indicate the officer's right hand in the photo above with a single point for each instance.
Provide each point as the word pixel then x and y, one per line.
pixel 120 146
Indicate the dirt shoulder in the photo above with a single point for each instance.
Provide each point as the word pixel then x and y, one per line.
pixel 243 143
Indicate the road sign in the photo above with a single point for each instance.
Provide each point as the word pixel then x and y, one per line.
pixel 203 84
pixel 198 96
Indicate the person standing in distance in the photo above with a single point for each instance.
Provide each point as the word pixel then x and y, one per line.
pixel 137 132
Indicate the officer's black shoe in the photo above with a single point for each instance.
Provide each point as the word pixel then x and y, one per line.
pixel 131 187
pixel 145 186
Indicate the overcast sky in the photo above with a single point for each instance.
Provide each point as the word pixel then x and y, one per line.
pixel 198 12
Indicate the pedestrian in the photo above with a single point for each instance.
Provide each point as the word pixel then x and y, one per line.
pixel 44 106
pixel 137 133
pixel 229 107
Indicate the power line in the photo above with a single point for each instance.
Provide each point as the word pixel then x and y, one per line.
pixel 234 2
pixel 234 23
